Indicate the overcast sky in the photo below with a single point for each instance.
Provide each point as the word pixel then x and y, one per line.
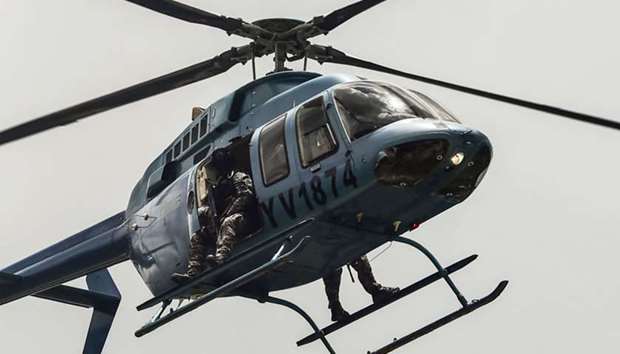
pixel 545 217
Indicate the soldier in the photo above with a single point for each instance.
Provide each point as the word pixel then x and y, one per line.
pixel 203 241
pixel 378 292
pixel 234 203
pixel 229 215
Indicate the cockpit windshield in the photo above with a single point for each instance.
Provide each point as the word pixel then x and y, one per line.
pixel 367 106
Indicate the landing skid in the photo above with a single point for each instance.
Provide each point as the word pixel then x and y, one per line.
pixel 442 273
pixel 203 277
pixel 278 259
pixel 375 307
pixel 474 305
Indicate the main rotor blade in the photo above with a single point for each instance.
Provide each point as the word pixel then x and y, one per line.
pixel 331 55
pixel 340 16
pixel 198 16
pixel 179 78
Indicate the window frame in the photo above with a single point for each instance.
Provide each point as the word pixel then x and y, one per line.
pixel 278 120
pixel 330 127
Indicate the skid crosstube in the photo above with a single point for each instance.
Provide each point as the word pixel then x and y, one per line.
pixel 401 294
pixel 443 321
pixel 277 260
pixel 212 273
pixel 442 273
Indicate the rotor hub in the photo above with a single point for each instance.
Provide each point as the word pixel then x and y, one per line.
pixel 278 25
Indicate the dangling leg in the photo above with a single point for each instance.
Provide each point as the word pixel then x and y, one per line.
pixel 197 253
pixel 232 229
pixel 332 290
pixel 364 273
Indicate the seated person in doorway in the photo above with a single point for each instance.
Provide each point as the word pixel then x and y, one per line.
pixel 203 241
pixel 362 266
pixel 229 214
pixel 234 203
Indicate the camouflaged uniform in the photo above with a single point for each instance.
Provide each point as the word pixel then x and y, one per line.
pixel 202 242
pixel 366 278
pixel 237 212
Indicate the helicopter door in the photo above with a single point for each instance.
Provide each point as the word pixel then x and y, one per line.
pixel 322 158
pixel 273 171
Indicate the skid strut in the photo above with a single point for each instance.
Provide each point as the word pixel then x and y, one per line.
pixel 445 275
pixel 317 332
pixel 277 260
pixel 375 307
pixel 443 321
pixel 442 273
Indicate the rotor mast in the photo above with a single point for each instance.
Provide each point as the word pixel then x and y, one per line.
pixel 279 57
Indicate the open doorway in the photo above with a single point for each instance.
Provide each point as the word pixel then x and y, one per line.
pixel 239 152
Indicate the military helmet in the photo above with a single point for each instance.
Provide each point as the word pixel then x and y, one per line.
pixel 221 159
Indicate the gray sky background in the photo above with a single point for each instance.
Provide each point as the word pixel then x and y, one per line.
pixel 545 217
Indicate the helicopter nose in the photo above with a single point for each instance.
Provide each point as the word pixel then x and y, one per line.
pixel 407 164
pixel 468 165
pixel 458 163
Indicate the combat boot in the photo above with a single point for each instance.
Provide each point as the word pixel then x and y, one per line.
pixel 383 293
pixel 214 260
pixel 332 290
pixel 378 292
pixel 338 312
pixel 194 269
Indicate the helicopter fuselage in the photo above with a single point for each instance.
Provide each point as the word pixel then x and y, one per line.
pixel 362 192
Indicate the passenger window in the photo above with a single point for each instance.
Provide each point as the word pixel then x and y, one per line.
pixel 194 134
pixel 273 157
pixel 186 141
pixel 177 149
pixel 203 125
pixel 314 134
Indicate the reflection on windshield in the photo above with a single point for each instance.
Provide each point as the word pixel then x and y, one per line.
pixel 436 108
pixel 367 106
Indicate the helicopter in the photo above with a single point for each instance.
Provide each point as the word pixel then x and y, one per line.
pixel 165 178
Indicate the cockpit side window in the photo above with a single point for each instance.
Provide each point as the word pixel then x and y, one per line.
pixel 314 133
pixel 272 149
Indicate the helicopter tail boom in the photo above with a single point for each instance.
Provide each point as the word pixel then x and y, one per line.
pixel 88 251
